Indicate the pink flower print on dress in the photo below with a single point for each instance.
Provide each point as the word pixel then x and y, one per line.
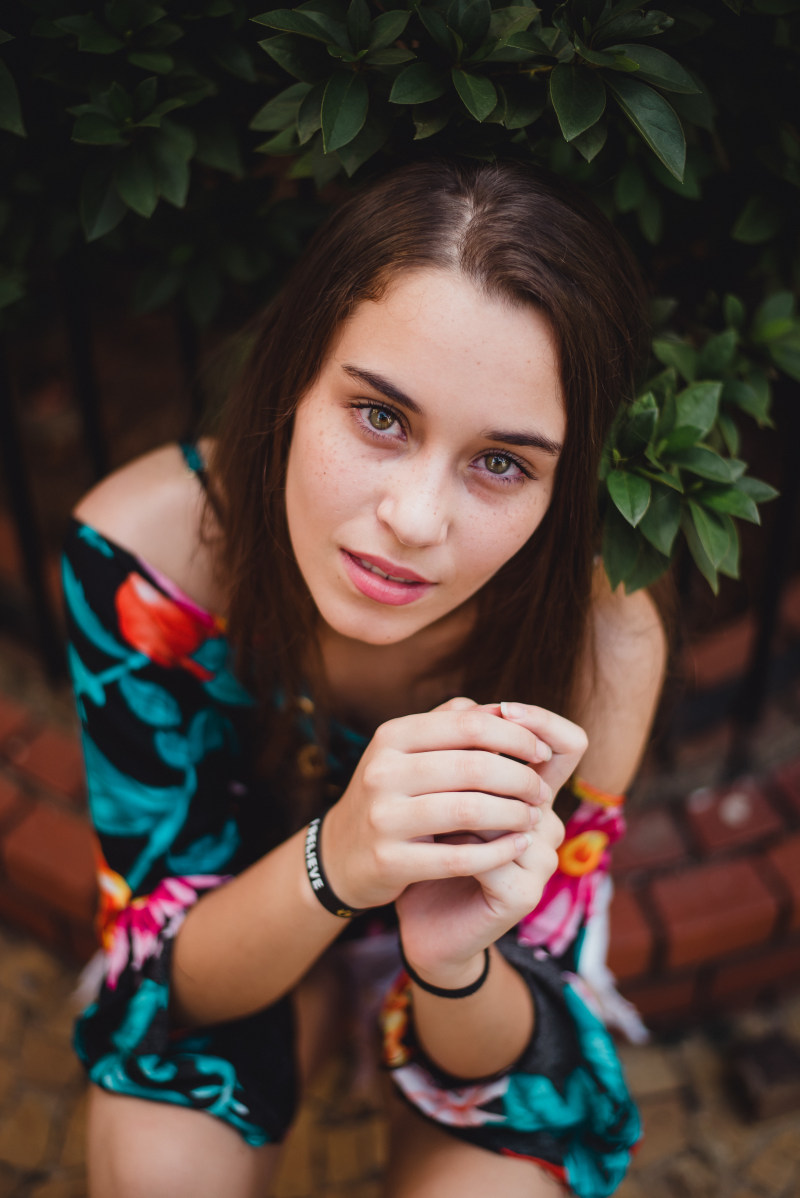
pixel 140 930
pixel 462 1107
pixel 568 896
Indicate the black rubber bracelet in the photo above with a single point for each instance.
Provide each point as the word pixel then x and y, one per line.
pixel 317 877
pixel 440 991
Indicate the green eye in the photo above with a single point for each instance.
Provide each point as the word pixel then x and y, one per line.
pixel 497 463
pixel 380 419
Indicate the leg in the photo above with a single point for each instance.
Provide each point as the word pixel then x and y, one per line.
pixel 141 1149
pixel 427 1162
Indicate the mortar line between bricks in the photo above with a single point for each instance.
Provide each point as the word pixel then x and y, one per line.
pixel 780 891
pixel 782 803
pixel 658 932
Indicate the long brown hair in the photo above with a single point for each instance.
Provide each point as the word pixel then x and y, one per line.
pixel 517 235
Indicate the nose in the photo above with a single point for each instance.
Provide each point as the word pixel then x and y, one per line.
pixel 416 502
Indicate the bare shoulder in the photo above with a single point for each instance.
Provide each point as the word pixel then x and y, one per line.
pixel 622 683
pixel 155 508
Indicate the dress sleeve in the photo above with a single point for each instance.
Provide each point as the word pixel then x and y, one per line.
pixel 160 717
pixel 563 1104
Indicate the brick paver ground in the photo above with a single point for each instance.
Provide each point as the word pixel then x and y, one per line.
pixel 697 1143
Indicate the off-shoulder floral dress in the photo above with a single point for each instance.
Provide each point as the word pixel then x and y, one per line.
pixel 168 739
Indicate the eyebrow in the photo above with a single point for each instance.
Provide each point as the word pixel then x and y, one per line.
pixel 391 391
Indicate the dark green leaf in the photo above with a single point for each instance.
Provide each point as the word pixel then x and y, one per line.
pixel 697 406
pixel 293 20
pixel 152 60
pixel 629 187
pixel 662 519
pixel 155 287
pixel 718 353
pixel 303 60
pixel 371 138
pixel 776 307
pixel 10 110
pixel 786 355
pixel 129 16
pixel 734 311
pixel 437 28
pixel 630 493
pixel 470 18
pixel 417 84
pixel 12 287
pixel 387 28
pixel 759 220
pixel 713 531
pixel 428 122
pixel 477 93
pixel 591 142
pixel 650 564
pixel 701 558
pixel 145 96
pixel 759 492
pixel 344 109
pixel 135 180
pixel 730 433
pixel 579 99
pixel 309 114
pixel 93 38
pixel 730 562
pixel 620 547
pixel 218 147
pixel 96 130
pixel 650 217
pixel 704 463
pixel 744 396
pixel 733 502
pixel 658 68
pixel 677 354
pixel 358 24
pixel 234 58
pixel 280 144
pixel 281 110
pixel 393 56
pixel 524 104
pixel 100 205
pixel 654 119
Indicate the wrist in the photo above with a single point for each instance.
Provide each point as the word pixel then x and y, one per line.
pixel 319 880
pixel 451 978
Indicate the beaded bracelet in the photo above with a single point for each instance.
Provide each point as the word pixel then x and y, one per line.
pixel 317 876
pixel 441 991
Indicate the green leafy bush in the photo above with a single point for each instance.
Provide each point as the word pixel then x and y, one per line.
pixel 198 142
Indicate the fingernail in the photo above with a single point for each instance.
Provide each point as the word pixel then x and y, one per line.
pixel 513 711
pixel 544 752
pixel 522 842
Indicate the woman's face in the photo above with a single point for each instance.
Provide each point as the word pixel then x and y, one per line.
pixel 426 450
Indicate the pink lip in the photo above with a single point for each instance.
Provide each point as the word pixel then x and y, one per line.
pixel 384 590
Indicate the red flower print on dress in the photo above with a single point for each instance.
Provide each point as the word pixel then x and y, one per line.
pixel 163 630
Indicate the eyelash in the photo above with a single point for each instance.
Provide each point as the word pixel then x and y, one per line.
pixel 523 467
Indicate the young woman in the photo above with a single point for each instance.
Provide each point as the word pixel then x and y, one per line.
pixel 373 597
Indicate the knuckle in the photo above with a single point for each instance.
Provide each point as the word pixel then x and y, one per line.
pixel 470 723
pixel 465 810
pixel 454 861
pixel 375 772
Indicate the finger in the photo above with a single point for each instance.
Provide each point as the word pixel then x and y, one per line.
pixel 457 811
pixel 427 862
pixel 561 734
pixel 472 770
pixel 459 703
pixel 465 728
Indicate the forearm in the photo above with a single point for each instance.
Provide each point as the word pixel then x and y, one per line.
pixel 483 1033
pixel 247 943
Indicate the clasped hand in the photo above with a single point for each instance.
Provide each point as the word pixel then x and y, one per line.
pixel 450 815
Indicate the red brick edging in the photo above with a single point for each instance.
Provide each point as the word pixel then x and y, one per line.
pixel 706 911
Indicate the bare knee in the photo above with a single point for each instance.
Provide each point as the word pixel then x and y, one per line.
pixel 141 1149
pixel 427 1162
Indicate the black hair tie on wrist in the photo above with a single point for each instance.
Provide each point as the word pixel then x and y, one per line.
pixel 440 991
pixel 317 876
